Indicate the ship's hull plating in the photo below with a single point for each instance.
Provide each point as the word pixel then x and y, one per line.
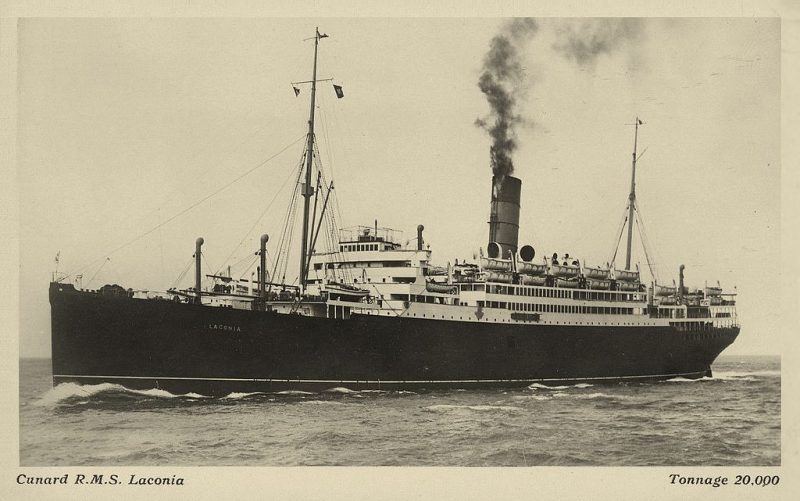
pixel 215 351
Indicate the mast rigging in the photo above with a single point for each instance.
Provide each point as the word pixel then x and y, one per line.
pixel 632 196
pixel 308 190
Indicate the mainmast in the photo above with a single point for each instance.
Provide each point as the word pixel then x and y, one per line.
pixel 308 189
pixel 632 196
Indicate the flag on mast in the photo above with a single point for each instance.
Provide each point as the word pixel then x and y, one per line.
pixel 338 90
pixel 296 91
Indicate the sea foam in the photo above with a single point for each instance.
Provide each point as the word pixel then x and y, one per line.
pixel 66 392
pixel 479 408
pixel 540 386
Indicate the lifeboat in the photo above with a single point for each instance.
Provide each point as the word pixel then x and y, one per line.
pixel 663 290
pixel 441 288
pixel 337 290
pixel 713 291
pixel 531 280
pixel 567 284
pixel 595 273
pixel 599 284
pixel 503 278
pixel 531 269
pixel 626 276
pixel 627 286
pixel 565 271
pixel 488 263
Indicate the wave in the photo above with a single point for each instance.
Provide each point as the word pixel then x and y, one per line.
pixel 680 379
pixel 746 374
pixel 540 386
pixel 722 377
pixel 730 376
pixel 67 392
pixel 585 396
pixel 532 397
pixel 340 389
pixel 238 396
pixel 479 408
pixel 321 402
pixel 295 392
pixel 717 377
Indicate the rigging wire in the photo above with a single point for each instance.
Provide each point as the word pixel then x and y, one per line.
pixel 332 222
pixel 621 229
pixel 250 261
pixel 329 240
pixel 247 137
pixel 346 274
pixel 254 259
pixel 98 271
pixel 205 261
pixel 289 240
pixel 283 257
pixel 284 242
pixel 182 274
pixel 190 207
pixel 332 225
pixel 328 149
pixel 260 217
pixel 646 243
pixel 644 246
pixel 247 258
pixel 339 125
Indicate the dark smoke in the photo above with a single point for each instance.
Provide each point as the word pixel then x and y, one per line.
pixel 501 81
pixel 584 42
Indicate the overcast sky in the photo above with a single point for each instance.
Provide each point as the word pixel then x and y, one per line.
pixel 125 123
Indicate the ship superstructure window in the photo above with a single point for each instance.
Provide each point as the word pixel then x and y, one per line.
pixel 556 293
pixel 565 308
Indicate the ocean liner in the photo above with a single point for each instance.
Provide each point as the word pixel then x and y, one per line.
pixel 373 312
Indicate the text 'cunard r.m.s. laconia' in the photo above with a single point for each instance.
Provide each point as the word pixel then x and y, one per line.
pixel 99 479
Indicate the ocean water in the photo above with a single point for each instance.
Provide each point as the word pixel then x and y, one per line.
pixel 729 420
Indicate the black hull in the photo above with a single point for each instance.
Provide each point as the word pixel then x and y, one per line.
pixel 215 351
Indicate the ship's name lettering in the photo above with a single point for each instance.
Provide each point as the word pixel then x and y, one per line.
pixel 173 480
pixel 223 327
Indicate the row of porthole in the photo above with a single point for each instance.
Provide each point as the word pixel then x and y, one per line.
pixel 700 335
pixel 550 323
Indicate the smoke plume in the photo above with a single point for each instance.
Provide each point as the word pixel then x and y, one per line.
pixel 501 81
pixel 584 42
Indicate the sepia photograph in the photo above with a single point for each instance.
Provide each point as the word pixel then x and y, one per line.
pixel 464 242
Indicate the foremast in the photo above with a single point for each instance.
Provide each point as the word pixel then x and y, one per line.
pixel 307 188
